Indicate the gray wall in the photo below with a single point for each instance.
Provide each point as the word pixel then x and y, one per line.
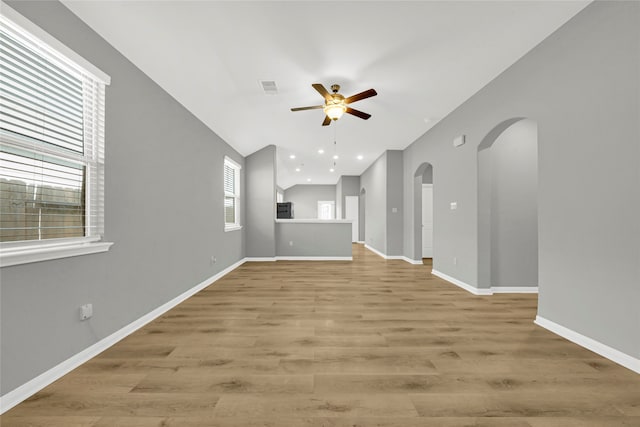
pixel 427 176
pixel 261 203
pixel 383 184
pixel 374 181
pixel 511 193
pixel 339 200
pixel 328 239
pixel 581 86
pixel 164 211
pixel 305 199
pixel 394 202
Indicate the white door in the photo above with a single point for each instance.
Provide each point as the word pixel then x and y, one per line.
pixel 351 212
pixel 427 220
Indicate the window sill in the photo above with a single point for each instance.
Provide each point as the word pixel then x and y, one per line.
pixel 232 228
pixel 16 255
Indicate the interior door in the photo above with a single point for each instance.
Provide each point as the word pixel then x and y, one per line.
pixel 427 220
pixel 351 212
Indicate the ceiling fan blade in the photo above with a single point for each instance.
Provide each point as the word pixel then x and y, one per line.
pixel 359 96
pixel 324 92
pixel 327 121
pixel 315 107
pixel 358 113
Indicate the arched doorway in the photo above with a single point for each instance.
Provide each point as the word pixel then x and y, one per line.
pixel 508 207
pixel 423 212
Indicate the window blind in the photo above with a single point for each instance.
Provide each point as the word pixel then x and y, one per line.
pixel 231 178
pixel 229 194
pixel 51 144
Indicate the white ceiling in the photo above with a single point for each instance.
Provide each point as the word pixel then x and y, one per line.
pixel 424 58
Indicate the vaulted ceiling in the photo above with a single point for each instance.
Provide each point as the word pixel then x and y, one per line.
pixel 424 58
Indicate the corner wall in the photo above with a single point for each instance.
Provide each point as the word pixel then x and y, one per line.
pixel 260 203
pixel 374 182
pixel 382 182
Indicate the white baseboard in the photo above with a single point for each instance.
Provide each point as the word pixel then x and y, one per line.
pixel 402 257
pixel 361 242
pixel 603 350
pixel 461 284
pixel 381 254
pixel 12 398
pixel 259 259
pixel 484 291
pixel 314 258
pixel 514 289
pixel 375 251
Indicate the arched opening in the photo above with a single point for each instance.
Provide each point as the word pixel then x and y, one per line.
pixel 423 213
pixel 362 214
pixel 508 207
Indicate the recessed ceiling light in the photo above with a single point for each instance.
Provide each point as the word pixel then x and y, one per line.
pixel 321 151
pixel 331 170
pixel 335 157
pixel 293 156
pixel 308 179
pixel 360 157
pixel 297 169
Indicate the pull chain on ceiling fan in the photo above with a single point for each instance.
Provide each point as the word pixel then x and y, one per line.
pixel 335 104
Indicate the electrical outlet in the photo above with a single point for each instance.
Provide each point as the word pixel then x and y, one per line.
pixel 86 311
pixel 290 242
pixel 213 260
pixel 455 260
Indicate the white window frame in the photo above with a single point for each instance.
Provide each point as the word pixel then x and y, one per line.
pixel 22 252
pixel 236 225
pixel 333 209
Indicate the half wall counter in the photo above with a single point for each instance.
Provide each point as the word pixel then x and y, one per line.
pixel 313 239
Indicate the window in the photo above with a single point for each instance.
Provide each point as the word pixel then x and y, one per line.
pixel 231 195
pixel 326 210
pixel 51 147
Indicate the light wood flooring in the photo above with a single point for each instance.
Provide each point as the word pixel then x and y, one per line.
pixel 363 343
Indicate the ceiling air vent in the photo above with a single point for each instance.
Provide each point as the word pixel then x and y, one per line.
pixel 269 87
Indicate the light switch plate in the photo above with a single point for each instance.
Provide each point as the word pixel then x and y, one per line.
pixel 454 206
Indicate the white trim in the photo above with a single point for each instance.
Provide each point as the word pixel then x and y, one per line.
pixel 31 253
pixel 61 49
pixel 259 259
pixel 313 221
pixel 461 284
pixel 236 167
pixel 400 257
pixel 31 387
pixel 375 251
pixel 314 258
pixel 514 289
pixel 603 350
pixel 360 242
pixel 232 162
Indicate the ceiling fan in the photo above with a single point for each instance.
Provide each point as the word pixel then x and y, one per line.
pixel 335 105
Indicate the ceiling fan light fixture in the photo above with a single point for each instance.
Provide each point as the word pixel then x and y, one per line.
pixel 335 111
